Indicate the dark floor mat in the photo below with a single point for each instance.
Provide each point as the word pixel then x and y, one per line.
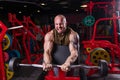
pixel 27 73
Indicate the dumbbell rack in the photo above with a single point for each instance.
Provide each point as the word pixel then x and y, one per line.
pixel 3 30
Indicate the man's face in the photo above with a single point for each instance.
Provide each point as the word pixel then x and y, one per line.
pixel 60 24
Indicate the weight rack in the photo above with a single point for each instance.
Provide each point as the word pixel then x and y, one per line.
pixel 3 30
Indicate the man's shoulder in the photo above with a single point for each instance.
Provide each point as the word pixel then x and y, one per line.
pixel 49 34
pixel 73 32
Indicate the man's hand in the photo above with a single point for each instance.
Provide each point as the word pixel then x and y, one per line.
pixel 47 66
pixel 65 67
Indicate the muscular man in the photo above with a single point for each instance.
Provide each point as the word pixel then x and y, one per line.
pixel 61 45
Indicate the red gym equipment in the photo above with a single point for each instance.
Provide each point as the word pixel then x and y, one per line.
pixel 102 5
pixel 3 30
pixel 5 74
pixel 28 32
pixel 16 45
pixel 61 76
pixel 113 48
pixel 98 48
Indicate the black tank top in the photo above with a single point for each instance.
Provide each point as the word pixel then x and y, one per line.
pixel 61 49
pixel 61 39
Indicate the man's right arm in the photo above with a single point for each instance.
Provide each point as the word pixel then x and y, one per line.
pixel 48 45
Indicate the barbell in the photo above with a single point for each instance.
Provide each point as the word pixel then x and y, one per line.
pixel 15 27
pixel 15 65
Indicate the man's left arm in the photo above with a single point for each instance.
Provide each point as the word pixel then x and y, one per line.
pixel 74 49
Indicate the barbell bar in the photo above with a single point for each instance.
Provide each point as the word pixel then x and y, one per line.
pixel 15 64
pixel 15 27
pixel 72 66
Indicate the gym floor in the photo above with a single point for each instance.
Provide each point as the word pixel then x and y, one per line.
pixel 27 73
pixel 31 73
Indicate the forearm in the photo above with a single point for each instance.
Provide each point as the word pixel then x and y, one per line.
pixel 47 62
pixel 72 58
pixel 47 58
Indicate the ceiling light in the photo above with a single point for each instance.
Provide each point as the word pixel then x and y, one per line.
pixel 25 5
pixel 43 4
pixel 38 11
pixel 19 12
pixel 83 6
pixel 76 10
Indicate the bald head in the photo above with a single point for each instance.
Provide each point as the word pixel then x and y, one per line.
pixel 62 17
pixel 60 23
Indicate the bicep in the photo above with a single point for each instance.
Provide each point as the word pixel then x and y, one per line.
pixel 74 43
pixel 48 44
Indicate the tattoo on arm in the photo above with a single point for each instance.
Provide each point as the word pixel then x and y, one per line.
pixel 74 48
pixel 75 42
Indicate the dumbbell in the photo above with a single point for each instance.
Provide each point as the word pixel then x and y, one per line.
pixel 15 64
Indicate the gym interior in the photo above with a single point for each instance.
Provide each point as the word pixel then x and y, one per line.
pixel 24 24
